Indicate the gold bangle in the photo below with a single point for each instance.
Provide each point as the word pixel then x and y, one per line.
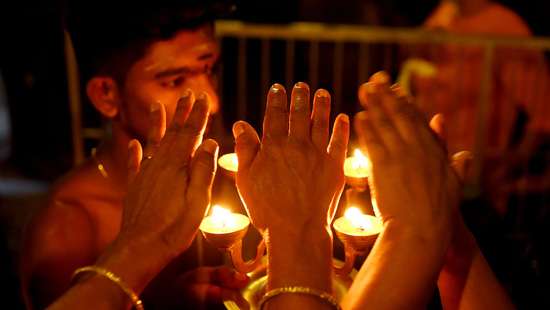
pixel 138 304
pixel 324 296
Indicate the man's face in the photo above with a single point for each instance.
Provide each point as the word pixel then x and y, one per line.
pixel 169 68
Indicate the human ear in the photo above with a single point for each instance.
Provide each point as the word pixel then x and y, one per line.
pixel 104 94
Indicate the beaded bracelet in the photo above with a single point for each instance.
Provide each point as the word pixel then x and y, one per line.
pixel 324 296
pixel 138 304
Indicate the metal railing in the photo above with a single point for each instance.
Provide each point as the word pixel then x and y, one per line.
pixel 364 39
pixel 263 54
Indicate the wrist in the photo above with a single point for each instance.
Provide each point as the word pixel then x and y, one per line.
pixel 432 242
pixel 135 262
pixel 301 257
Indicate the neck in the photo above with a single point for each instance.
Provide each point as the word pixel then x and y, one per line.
pixel 470 7
pixel 113 154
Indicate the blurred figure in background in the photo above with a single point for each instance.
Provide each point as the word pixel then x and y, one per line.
pixel 515 175
pixel 516 121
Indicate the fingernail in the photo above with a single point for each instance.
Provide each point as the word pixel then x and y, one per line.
pixel 202 96
pixel 275 94
pixel 300 99
pixel 186 93
pixel 238 129
pixel 301 85
pixel 275 88
pixel 463 154
pixel 210 146
pixel 344 118
pixel 322 93
pixel 381 77
pixel 154 107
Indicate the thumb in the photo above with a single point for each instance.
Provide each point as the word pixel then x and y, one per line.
pixel 135 154
pixel 247 143
pixel 461 163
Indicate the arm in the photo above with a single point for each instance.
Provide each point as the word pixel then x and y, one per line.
pixel 166 201
pixel 416 192
pixel 59 240
pixel 290 183
pixel 466 281
pixel 399 273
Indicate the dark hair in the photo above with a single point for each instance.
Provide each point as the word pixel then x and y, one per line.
pixel 110 36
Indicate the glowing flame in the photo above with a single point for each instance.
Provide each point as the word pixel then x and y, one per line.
pixel 221 217
pixel 360 161
pixel 357 218
pixel 229 162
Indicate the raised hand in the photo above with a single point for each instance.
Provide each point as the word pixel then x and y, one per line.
pixel 290 183
pixel 169 190
pixel 417 193
pixel 292 177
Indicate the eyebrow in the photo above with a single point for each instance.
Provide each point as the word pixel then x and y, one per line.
pixel 182 70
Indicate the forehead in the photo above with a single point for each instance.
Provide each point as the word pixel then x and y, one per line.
pixel 185 48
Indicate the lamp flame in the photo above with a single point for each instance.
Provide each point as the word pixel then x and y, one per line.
pixel 221 216
pixel 360 161
pixel 357 218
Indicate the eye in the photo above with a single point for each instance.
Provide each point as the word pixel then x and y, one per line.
pixel 173 83
pixel 212 69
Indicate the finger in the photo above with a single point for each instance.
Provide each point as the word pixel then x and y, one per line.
pixel 381 78
pixel 157 128
pixel 219 276
pixel 401 93
pixel 202 172
pixel 134 159
pixel 299 120
pixel 189 137
pixel 378 117
pixel 320 119
pixel 247 144
pixel 338 145
pixel 183 108
pixel 369 138
pixel 437 124
pixel 403 114
pixel 276 113
pixel 228 278
pixel 201 295
pixel 461 163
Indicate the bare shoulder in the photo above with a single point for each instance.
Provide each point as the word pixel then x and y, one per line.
pixel 80 184
pixel 65 224
pixel 506 21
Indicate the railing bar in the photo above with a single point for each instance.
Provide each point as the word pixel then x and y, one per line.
pixel 347 33
pixel 289 70
pixel 241 72
pixel 363 67
pixel 265 69
pixel 482 114
pixel 314 64
pixel 338 75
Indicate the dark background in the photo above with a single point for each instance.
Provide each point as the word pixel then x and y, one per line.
pixel 32 66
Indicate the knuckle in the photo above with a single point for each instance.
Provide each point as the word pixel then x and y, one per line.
pixel 407 111
pixel 204 160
